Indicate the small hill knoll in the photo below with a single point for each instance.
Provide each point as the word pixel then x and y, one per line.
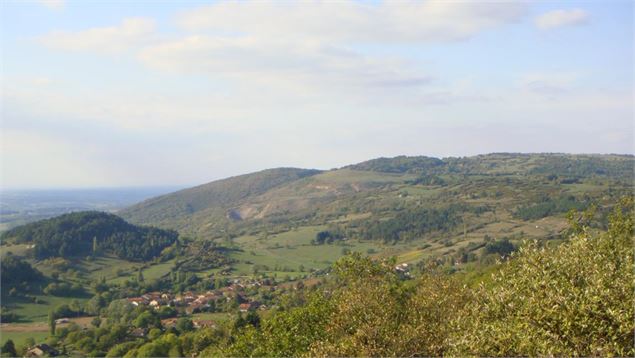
pixel 90 233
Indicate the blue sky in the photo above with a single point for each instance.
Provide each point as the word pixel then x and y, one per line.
pixel 177 93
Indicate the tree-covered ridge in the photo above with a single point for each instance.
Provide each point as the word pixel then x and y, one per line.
pixel 400 164
pixel 91 233
pixel 555 164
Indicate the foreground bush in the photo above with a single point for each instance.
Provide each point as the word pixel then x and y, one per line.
pixel 575 299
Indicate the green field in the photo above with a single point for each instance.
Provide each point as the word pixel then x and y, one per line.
pixel 293 249
pixel 36 312
pixel 215 316
pixel 19 338
pixel 19 249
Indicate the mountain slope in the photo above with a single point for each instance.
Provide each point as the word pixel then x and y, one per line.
pixel 279 199
pixel 173 209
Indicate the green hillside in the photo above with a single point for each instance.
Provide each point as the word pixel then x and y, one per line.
pixel 175 210
pixel 482 190
pixel 430 233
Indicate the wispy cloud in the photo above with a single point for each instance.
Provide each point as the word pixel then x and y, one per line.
pixel 306 46
pixel 53 4
pixel 112 39
pixel 560 18
pixel 345 21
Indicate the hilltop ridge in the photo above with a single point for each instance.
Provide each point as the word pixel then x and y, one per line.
pixel 284 197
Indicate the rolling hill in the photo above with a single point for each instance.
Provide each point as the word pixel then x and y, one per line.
pixel 277 200
pixel 90 233
pixel 175 210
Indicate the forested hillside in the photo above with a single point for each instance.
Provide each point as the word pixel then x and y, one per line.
pixel 90 233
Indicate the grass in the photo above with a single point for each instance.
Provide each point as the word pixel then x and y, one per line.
pixel 18 249
pixel 215 316
pixel 36 312
pixel 292 250
pixel 20 332
pixel 19 338
pixel 158 270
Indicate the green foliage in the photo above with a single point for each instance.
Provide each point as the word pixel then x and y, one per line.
pixel 401 164
pixel 7 316
pixel 287 334
pixel 426 179
pixel 121 349
pixel 571 300
pixel 166 346
pixel 51 322
pixel 408 225
pixel 15 272
pixel 63 289
pixel 327 237
pixel 501 247
pixel 575 299
pixel 184 324
pixel 200 255
pixel 548 207
pixel 75 234
pixel 147 319
pixel 8 349
pixel 586 166
pixel 66 310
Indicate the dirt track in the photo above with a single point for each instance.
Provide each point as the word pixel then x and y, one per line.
pixel 41 326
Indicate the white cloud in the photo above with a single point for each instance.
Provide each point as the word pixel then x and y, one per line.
pixel 114 39
pixel 309 47
pixel 301 67
pixel 559 18
pixel 53 4
pixel 390 21
pixel 304 46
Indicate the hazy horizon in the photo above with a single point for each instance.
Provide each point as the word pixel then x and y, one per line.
pixel 112 95
pixel 176 187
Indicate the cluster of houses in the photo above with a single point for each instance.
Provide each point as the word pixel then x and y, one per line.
pixel 196 302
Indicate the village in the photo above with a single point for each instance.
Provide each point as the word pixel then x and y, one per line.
pixel 236 296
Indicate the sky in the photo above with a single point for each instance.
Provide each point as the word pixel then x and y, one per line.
pixel 155 93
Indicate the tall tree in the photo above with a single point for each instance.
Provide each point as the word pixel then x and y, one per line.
pixel 8 349
pixel 95 245
pixel 51 323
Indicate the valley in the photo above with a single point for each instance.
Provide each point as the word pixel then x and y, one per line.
pixel 262 239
